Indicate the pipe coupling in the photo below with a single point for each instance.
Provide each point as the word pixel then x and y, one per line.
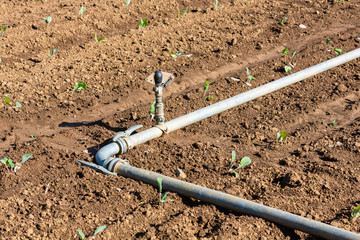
pixel 122 144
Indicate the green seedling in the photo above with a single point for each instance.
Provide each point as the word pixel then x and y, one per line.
pixel 32 136
pixel 181 15
pixel 175 55
pixel 79 86
pixel 99 229
pixel 151 112
pixel 333 123
pixel 82 10
pixel 143 23
pixel 51 52
pixel 288 64
pixel 161 194
pixel 283 20
pixel 98 40
pixel 48 20
pixel 338 51
pixel 355 213
pixel 216 5
pixel 206 88
pixel 17 105
pixel 282 135
pixel 248 76
pixel 244 162
pixel 0 60
pixel 7 101
pixel 127 2
pixel 328 41
pixel 8 162
pixel 2 30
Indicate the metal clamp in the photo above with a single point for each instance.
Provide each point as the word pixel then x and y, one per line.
pixel 119 138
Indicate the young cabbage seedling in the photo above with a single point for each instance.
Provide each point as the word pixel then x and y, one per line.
pixel 338 51
pixel 216 5
pixel 79 86
pixel 175 55
pixel 181 15
pixel 143 23
pixel 7 101
pixel 82 10
pixel 51 52
pixel 151 112
pixel 282 135
pixel 2 30
pixel 248 76
pixel 355 213
pixel 48 20
pixel 98 40
pixel 244 162
pixel 99 229
pixel 127 2
pixel 287 68
pixel 283 20
pixel 206 88
pixel 162 195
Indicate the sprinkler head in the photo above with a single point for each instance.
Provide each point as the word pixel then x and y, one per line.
pixel 158 78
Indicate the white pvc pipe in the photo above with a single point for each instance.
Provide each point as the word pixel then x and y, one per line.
pixel 229 103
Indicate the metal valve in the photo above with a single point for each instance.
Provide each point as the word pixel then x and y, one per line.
pixel 157 78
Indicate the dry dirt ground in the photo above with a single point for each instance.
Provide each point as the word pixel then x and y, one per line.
pixel 313 173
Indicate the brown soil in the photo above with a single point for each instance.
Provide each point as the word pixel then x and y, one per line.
pixel 314 173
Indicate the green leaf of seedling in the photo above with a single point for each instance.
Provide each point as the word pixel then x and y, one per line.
pixel 32 136
pixel 233 156
pixel 0 60
pixel 48 19
pixel 284 51
pixel 18 105
pixel 8 162
pixel 98 40
pixel 235 173
pixel 82 10
pixel 99 229
pixel 244 162
pixel 333 123
pixel 282 135
pixel 152 107
pixel 163 197
pixel 11 163
pixel 293 54
pixel 328 41
pixel 81 234
pixel 187 10
pixel 5 161
pixel 7 100
pixel 283 20
pixel 287 68
pixel 355 213
pixel 338 50
pixel 143 23
pixel 206 87
pixel 79 86
pixel 127 2
pixel 25 157
pixel 159 181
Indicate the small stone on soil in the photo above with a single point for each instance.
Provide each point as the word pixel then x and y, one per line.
pixel 180 173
